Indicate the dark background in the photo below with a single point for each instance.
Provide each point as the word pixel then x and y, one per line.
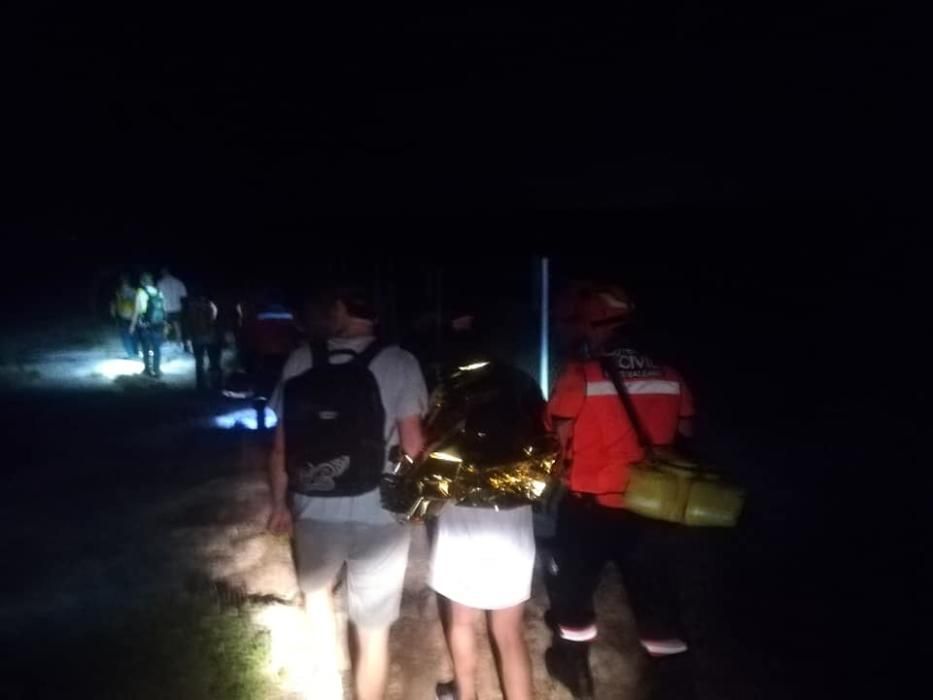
pixel 260 119
pixel 750 172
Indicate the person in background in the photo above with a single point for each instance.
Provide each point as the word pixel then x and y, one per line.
pixel 149 323
pixel 122 307
pixel 345 403
pixel 174 292
pixel 206 334
pixel 267 337
pixel 435 338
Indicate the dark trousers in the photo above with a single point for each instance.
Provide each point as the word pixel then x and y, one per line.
pixel 174 326
pixel 207 353
pixel 130 347
pixel 150 340
pixel 590 535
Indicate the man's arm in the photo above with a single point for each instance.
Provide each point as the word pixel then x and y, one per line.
pixel 564 429
pixel 411 435
pixel 280 519
pixel 410 404
pixel 564 406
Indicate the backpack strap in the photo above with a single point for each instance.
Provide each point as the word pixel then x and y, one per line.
pixel 612 373
pixel 370 353
pixel 146 317
pixel 319 353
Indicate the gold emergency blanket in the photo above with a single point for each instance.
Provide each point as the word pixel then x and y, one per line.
pixel 487 446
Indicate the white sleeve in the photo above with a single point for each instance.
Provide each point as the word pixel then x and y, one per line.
pixel 412 397
pixel 297 363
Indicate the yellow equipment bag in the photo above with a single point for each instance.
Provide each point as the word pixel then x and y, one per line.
pixel 668 487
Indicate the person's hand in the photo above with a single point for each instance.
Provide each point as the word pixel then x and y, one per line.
pixel 280 521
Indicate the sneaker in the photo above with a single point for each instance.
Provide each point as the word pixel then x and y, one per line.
pixel 572 670
pixel 664 647
pixel 445 691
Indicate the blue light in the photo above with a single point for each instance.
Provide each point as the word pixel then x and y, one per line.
pixel 543 378
pixel 275 316
pixel 244 418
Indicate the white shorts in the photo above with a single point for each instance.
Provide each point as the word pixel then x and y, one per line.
pixel 483 558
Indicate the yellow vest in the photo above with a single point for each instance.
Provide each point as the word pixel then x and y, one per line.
pixel 126 304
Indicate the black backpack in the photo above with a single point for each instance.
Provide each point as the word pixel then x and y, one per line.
pixel 334 426
pixel 155 308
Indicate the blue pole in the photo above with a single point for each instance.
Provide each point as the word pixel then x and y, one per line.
pixel 544 356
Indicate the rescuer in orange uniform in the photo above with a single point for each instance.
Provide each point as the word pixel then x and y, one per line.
pixel 600 443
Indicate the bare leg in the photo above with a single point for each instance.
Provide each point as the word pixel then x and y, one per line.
pixel 508 635
pixel 461 639
pixel 372 662
pixel 324 652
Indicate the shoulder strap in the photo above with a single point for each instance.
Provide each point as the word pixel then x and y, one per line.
pixel 319 353
pixel 370 353
pixel 612 372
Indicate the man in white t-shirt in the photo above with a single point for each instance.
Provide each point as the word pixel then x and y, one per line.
pixel 173 291
pixel 331 531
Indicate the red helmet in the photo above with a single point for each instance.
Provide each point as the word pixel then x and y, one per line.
pixel 606 305
pixel 584 307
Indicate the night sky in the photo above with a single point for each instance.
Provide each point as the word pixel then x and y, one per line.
pixel 707 155
pixel 693 149
pixel 214 120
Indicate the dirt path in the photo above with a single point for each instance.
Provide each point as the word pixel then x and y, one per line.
pixel 115 496
pixel 217 528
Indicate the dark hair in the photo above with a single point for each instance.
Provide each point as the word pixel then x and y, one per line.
pixel 359 302
pixel 356 297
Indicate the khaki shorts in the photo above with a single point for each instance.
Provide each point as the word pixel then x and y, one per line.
pixel 375 556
